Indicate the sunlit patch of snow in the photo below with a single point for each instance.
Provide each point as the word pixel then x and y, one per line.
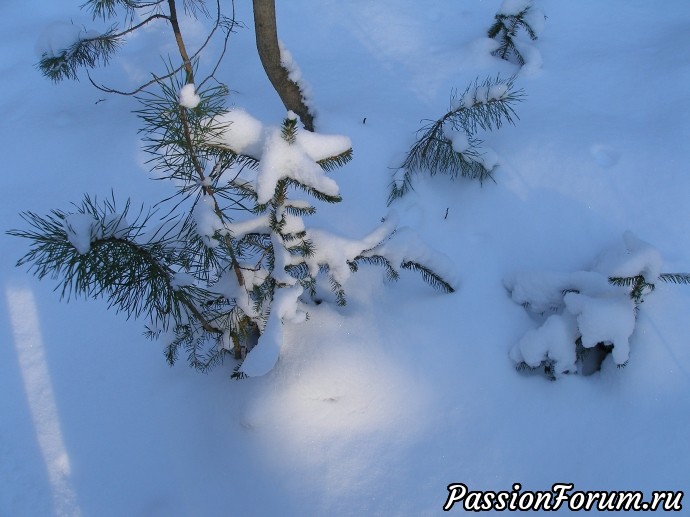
pixel 28 344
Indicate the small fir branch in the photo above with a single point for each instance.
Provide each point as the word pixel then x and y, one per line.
pixel 335 162
pixel 204 351
pixel 262 295
pixel 627 281
pixel 317 194
pixel 254 244
pixel 237 374
pixel 289 130
pixel 485 106
pixel 376 260
pixel 547 367
pixel 338 290
pixel 430 277
pixel 637 284
pixel 305 248
pixel 299 271
pixel 300 211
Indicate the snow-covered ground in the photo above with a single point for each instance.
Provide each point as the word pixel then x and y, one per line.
pixel 372 409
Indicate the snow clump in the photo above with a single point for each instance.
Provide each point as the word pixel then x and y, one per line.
pixel 583 306
pixel 188 96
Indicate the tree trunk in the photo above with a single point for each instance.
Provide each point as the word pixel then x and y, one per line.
pixel 269 52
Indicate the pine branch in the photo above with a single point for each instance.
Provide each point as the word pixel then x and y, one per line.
pixel 484 106
pixel 108 8
pixel 86 52
pixel 506 26
pixel 136 278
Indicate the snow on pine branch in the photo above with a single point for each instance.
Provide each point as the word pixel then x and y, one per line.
pixel 188 96
pixel 590 308
pixel 210 282
pixel 512 19
pixel 65 48
pixel 450 146
pixel 294 257
pixel 305 160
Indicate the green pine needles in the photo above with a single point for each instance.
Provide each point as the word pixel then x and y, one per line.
pixel 97 251
pixel 513 18
pixel 217 269
pixel 450 146
pixel 89 49
pixel 85 52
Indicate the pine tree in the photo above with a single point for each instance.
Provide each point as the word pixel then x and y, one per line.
pixel 221 264
pixel 285 259
pixel 206 282
pixel 449 145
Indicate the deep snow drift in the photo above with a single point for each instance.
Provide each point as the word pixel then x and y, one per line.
pixel 374 408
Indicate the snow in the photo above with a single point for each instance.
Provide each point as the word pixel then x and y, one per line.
pixel 281 159
pixel 295 74
pixel 533 60
pixel 188 96
pixel 207 221
pixel 631 257
pixel 609 320
pixel 553 340
pixel 244 133
pixel 512 7
pixel 262 358
pixel 459 139
pixel 497 91
pixel 278 159
pixel 373 408
pixel 81 230
pixel 543 290
pixel 604 313
pixel 57 38
pixel 319 146
pixel 253 225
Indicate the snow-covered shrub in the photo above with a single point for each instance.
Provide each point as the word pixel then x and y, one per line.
pixel 586 315
pixel 450 146
pixel 514 18
pixel 232 259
